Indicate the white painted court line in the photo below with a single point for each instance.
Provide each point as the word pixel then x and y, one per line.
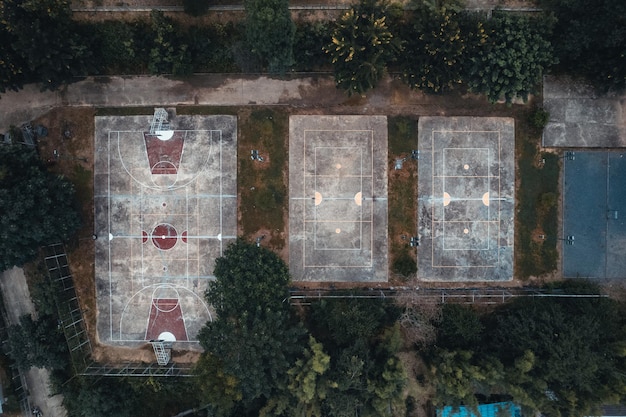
pixel 137 220
pixel 489 177
pixel 314 177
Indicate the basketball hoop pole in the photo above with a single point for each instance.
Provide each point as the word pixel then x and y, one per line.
pixel 158 120
pixel 162 350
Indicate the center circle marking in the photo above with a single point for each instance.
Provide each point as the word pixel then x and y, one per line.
pixel 164 236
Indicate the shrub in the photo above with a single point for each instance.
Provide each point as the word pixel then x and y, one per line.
pixel 404 265
pixel 539 118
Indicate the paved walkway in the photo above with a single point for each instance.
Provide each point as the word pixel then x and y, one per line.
pixel 312 91
pixel 580 117
pixel 18 303
pixel 211 90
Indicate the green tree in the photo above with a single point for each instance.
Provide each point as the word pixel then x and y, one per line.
pixel 37 343
pixel 362 45
pixel 362 338
pixel 248 278
pixel 460 327
pixel 44 36
pixel 311 37
pixel 435 50
pixel 196 7
pixel 574 345
pixel 307 386
pixel 215 386
pixel 12 75
pixel 254 337
pixel 270 33
pixel 168 53
pixel 117 47
pixel 106 397
pixel 514 58
pixel 459 375
pixel 590 39
pixel 36 207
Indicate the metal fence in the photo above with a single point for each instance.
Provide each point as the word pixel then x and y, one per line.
pixel 68 306
pixel 436 295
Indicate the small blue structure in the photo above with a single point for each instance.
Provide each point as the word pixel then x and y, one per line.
pixel 503 409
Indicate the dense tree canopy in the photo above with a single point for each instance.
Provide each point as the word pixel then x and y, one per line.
pixel 513 59
pixel 364 374
pixel 438 43
pixel 36 207
pixel 248 278
pixel 590 39
pixel 362 45
pixel 270 32
pixel 37 343
pixel 561 357
pixel 254 340
pixel 577 366
pixel 44 40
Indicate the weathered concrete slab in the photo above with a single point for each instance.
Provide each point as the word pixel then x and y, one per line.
pixel 338 198
pixel 579 117
pixel 466 180
pixel 164 210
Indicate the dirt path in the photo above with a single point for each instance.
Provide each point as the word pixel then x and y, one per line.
pixel 18 303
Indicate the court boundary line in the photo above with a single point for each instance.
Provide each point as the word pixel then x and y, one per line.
pixel 433 200
pixel 113 137
pixel 370 135
pixel 360 210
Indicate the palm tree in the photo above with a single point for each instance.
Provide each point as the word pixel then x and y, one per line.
pixel 362 45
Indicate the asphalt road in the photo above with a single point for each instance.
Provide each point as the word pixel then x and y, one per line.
pixel 18 303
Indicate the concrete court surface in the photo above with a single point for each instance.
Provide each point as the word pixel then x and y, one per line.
pixel 580 117
pixel 338 198
pixel 165 208
pixel 17 302
pixel 466 206
pixel 594 213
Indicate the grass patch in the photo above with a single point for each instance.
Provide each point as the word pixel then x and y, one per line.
pixel 537 195
pixel 263 185
pixel 402 134
pixel 402 195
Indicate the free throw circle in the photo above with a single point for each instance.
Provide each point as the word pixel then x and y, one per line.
pixel 164 236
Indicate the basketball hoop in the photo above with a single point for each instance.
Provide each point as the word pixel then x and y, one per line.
pixel 162 350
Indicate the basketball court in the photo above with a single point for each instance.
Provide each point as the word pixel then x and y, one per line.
pixel 165 208
pixel 466 179
pixel 338 198
pixel 594 214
